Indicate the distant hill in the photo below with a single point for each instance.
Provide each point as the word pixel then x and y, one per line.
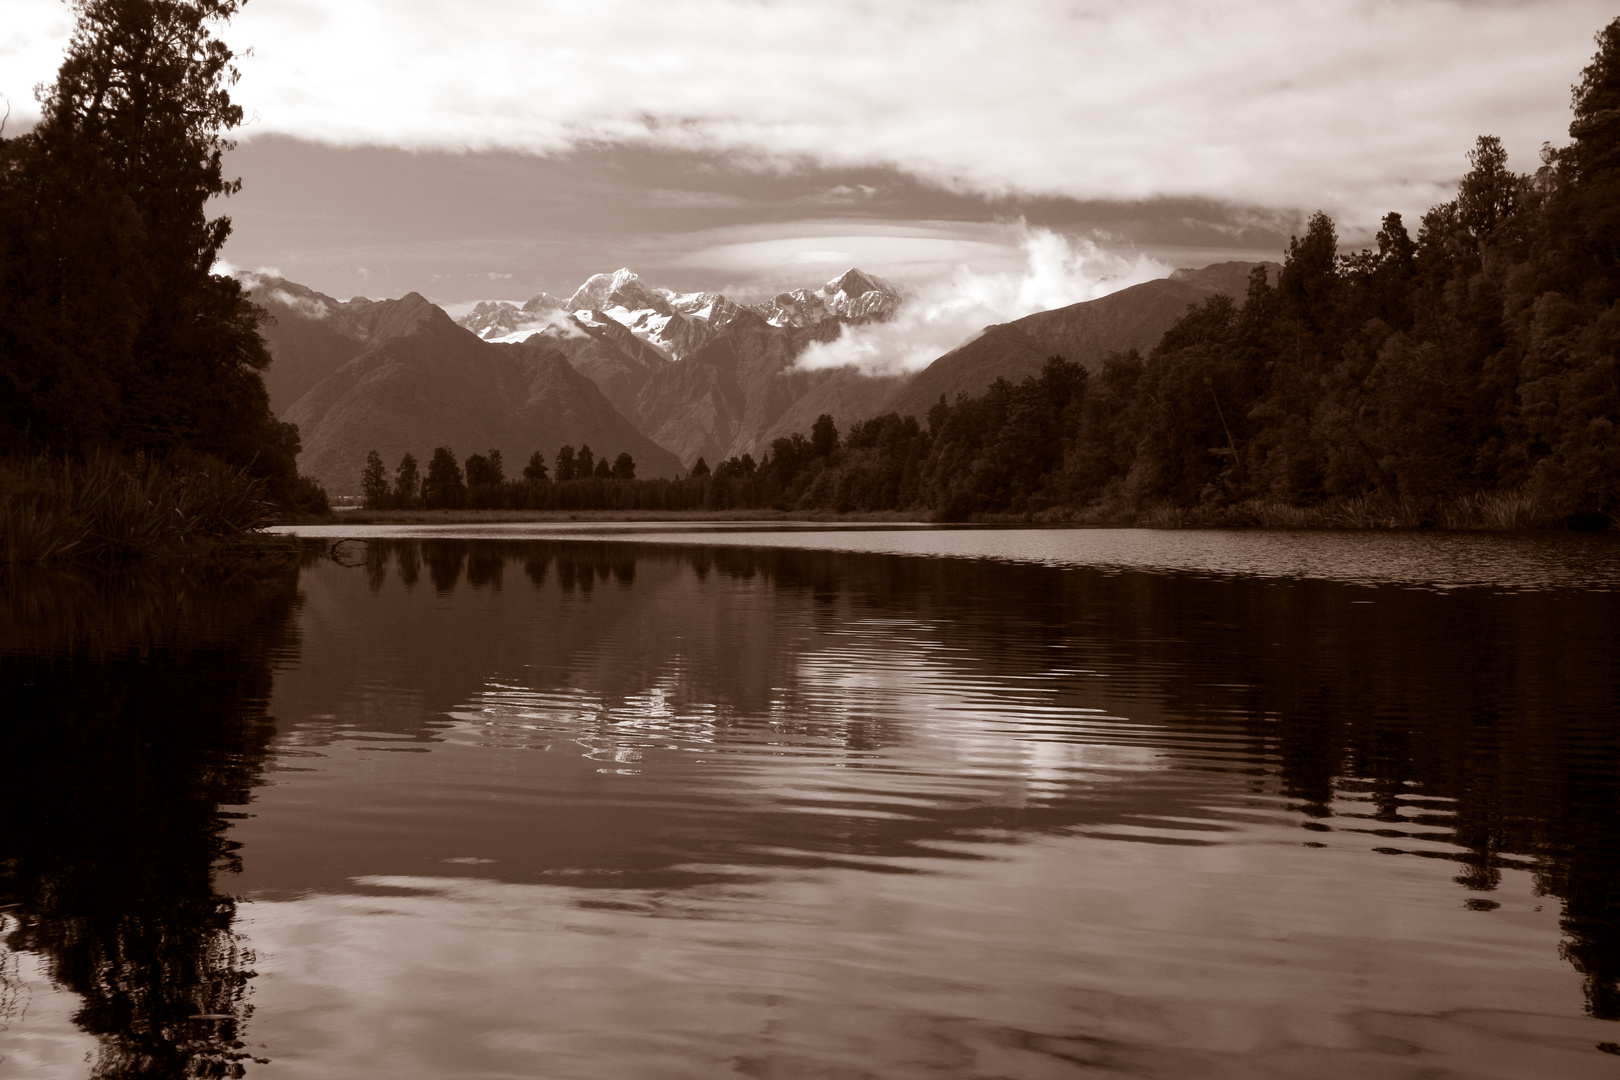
pixel 1133 318
pixel 419 381
pixel 310 336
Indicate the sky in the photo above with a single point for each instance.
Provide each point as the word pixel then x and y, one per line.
pixel 1019 153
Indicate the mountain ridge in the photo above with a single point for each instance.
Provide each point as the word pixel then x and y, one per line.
pixel 412 379
pixel 1084 333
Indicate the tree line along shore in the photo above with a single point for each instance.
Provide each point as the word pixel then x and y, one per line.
pixel 1463 376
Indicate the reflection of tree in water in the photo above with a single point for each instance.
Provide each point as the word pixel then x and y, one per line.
pixel 134 711
pixel 1490 715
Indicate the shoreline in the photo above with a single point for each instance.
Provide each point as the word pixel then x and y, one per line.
pixel 1272 517
pixel 502 517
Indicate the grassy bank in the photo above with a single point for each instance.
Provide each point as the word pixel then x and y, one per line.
pixel 111 508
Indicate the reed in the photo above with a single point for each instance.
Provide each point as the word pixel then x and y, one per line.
pixel 111 508
pixel 1515 509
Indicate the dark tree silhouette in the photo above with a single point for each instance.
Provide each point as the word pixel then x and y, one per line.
pixel 444 487
pixel 824 437
pixel 535 471
pixel 406 480
pixel 374 480
pixel 103 221
pixel 485 471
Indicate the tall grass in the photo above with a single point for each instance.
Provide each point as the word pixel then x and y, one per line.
pixel 112 508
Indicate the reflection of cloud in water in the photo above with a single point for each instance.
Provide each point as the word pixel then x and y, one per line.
pixel 1007 741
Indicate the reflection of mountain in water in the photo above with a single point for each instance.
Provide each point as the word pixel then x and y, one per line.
pixel 134 711
pixel 1470 725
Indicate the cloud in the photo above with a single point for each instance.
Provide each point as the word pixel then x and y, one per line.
pixel 947 311
pixel 553 323
pixel 908 249
pixel 307 306
pixel 32 37
pixel 1352 105
pixel 672 198
pixel 1349 104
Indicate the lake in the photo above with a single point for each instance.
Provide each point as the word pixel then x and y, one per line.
pixel 653 801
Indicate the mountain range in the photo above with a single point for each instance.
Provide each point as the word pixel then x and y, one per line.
pixel 667 377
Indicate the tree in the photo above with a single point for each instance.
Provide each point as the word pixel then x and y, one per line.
pixel 374 480
pixel 700 468
pixel 444 487
pixel 1490 192
pixel 824 436
pixel 584 462
pixel 1590 169
pixel 1309 276
pixel 406 480
pixel 484 472
pixel 565 465
pixel 535 471
pixel 603 470
pixel 624 467
pixel 124 160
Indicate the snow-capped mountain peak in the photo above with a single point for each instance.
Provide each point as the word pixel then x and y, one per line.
pixel 678 324
pixel 852 297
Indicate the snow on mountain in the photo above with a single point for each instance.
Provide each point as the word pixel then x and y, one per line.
pixel 854 297
pixel 677 324
pixel 490 320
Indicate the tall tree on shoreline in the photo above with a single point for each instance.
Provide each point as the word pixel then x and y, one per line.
pixel 113 328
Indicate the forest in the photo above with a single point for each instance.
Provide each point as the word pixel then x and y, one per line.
pixel 1464 377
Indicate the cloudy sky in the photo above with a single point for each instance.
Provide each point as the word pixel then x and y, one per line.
pixel 1034 150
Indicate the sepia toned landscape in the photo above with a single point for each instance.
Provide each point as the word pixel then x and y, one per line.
pixel 785 541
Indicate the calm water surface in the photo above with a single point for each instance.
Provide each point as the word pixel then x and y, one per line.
pixel 697 803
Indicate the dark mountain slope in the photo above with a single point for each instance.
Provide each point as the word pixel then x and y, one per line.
pixel 424 382
pixel 729 396
pixel 1133 318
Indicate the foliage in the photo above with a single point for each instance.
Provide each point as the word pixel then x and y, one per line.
pixel 444 487
pixel 114 332
pixel 116 508
pixel 374 479
pixel 406 480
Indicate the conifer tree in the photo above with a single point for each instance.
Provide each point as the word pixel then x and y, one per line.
pixel 374 480
pixel 444 487
pixel 406 480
